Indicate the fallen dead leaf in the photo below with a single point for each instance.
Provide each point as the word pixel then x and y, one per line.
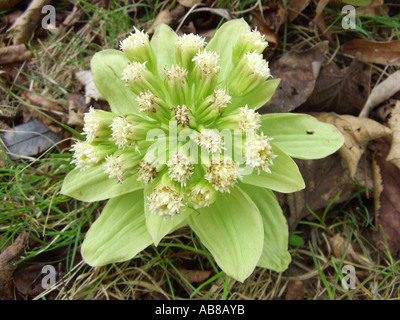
pixel 394 124
pixel 381 93
pixel 298 72
pixel 16 53
pixel 47 105
pixel 295 290
pixel 384 53
pixel 342 91
pixel 26 24
pixel 324 180
pixel 295 7
pixel 195 276
pixel 387 195
pixel 319 22
pixel 76 109
pixel 86 78
pixel 357 132
pixel 8 257
pixel 341 247
pixel 163 16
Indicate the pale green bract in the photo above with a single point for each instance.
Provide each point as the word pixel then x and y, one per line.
pixel 184 145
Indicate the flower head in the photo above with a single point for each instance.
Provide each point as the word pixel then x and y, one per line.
pixel 180 168
pixel 220 99
pixel 146 171
pixel 146 101
pixel 190 43
pixel 253 40
pixel 210 140
pixel 249 120
pixel 259 152
pixel 201 194
pixel 165 202
pixel 256 64
pixel 222 174
pixel 207 62
pixel 113 167
pixel 121 131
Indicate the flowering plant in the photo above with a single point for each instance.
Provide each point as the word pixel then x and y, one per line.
pixel 184 145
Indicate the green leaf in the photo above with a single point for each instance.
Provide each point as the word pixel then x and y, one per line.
pixel 275 255
pixel 284 177
pixel 163 45
pixel 256 98
pixel 107 67
pixel 223 41
pixel 302 136
pixel 94 185
pixel 120 232
pixel 157 226
pixel 232 231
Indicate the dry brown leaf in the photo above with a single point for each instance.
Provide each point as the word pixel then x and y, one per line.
pixel 383 53
pixel 394 124
pixel 298 72
pixel 295 290
pixel 387 195
pixel 86 78
pixel 357 132
pixel 295 7
pixel 343 91
pixel 49 106
pixel 339 244
pixel 324 180
pixel 319 22
pixel 76 109
pixel 382 92
pixel 8 256
pixel 163 16
pixel 16 53
pixel 195 276
pixel 26 24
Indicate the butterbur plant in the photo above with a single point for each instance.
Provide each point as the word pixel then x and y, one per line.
pixel 184 145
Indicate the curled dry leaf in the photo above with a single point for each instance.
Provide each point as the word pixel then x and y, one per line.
pixel 381 93
pixel 195 276
pixel 324 180
pixel 357 132
pixel 383 53
pixel 341 247
pixel 295 290
pixel 47 105
pixel 386 196
pixel 26 24
pixel 86 78
pixel 8 256
pixel 342 91
pixel 163 16
pixel 298 72
pixel 394 124
pixel 295 7
pixel 16 53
